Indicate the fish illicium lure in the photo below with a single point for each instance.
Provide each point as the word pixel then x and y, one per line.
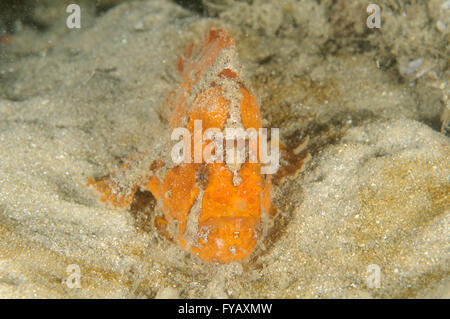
pixel 215 209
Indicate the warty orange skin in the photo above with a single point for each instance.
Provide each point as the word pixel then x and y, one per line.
pixel 202 208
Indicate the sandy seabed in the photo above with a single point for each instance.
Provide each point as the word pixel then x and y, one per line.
pixel 374 103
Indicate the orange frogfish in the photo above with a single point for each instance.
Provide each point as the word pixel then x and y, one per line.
pixel 212 205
